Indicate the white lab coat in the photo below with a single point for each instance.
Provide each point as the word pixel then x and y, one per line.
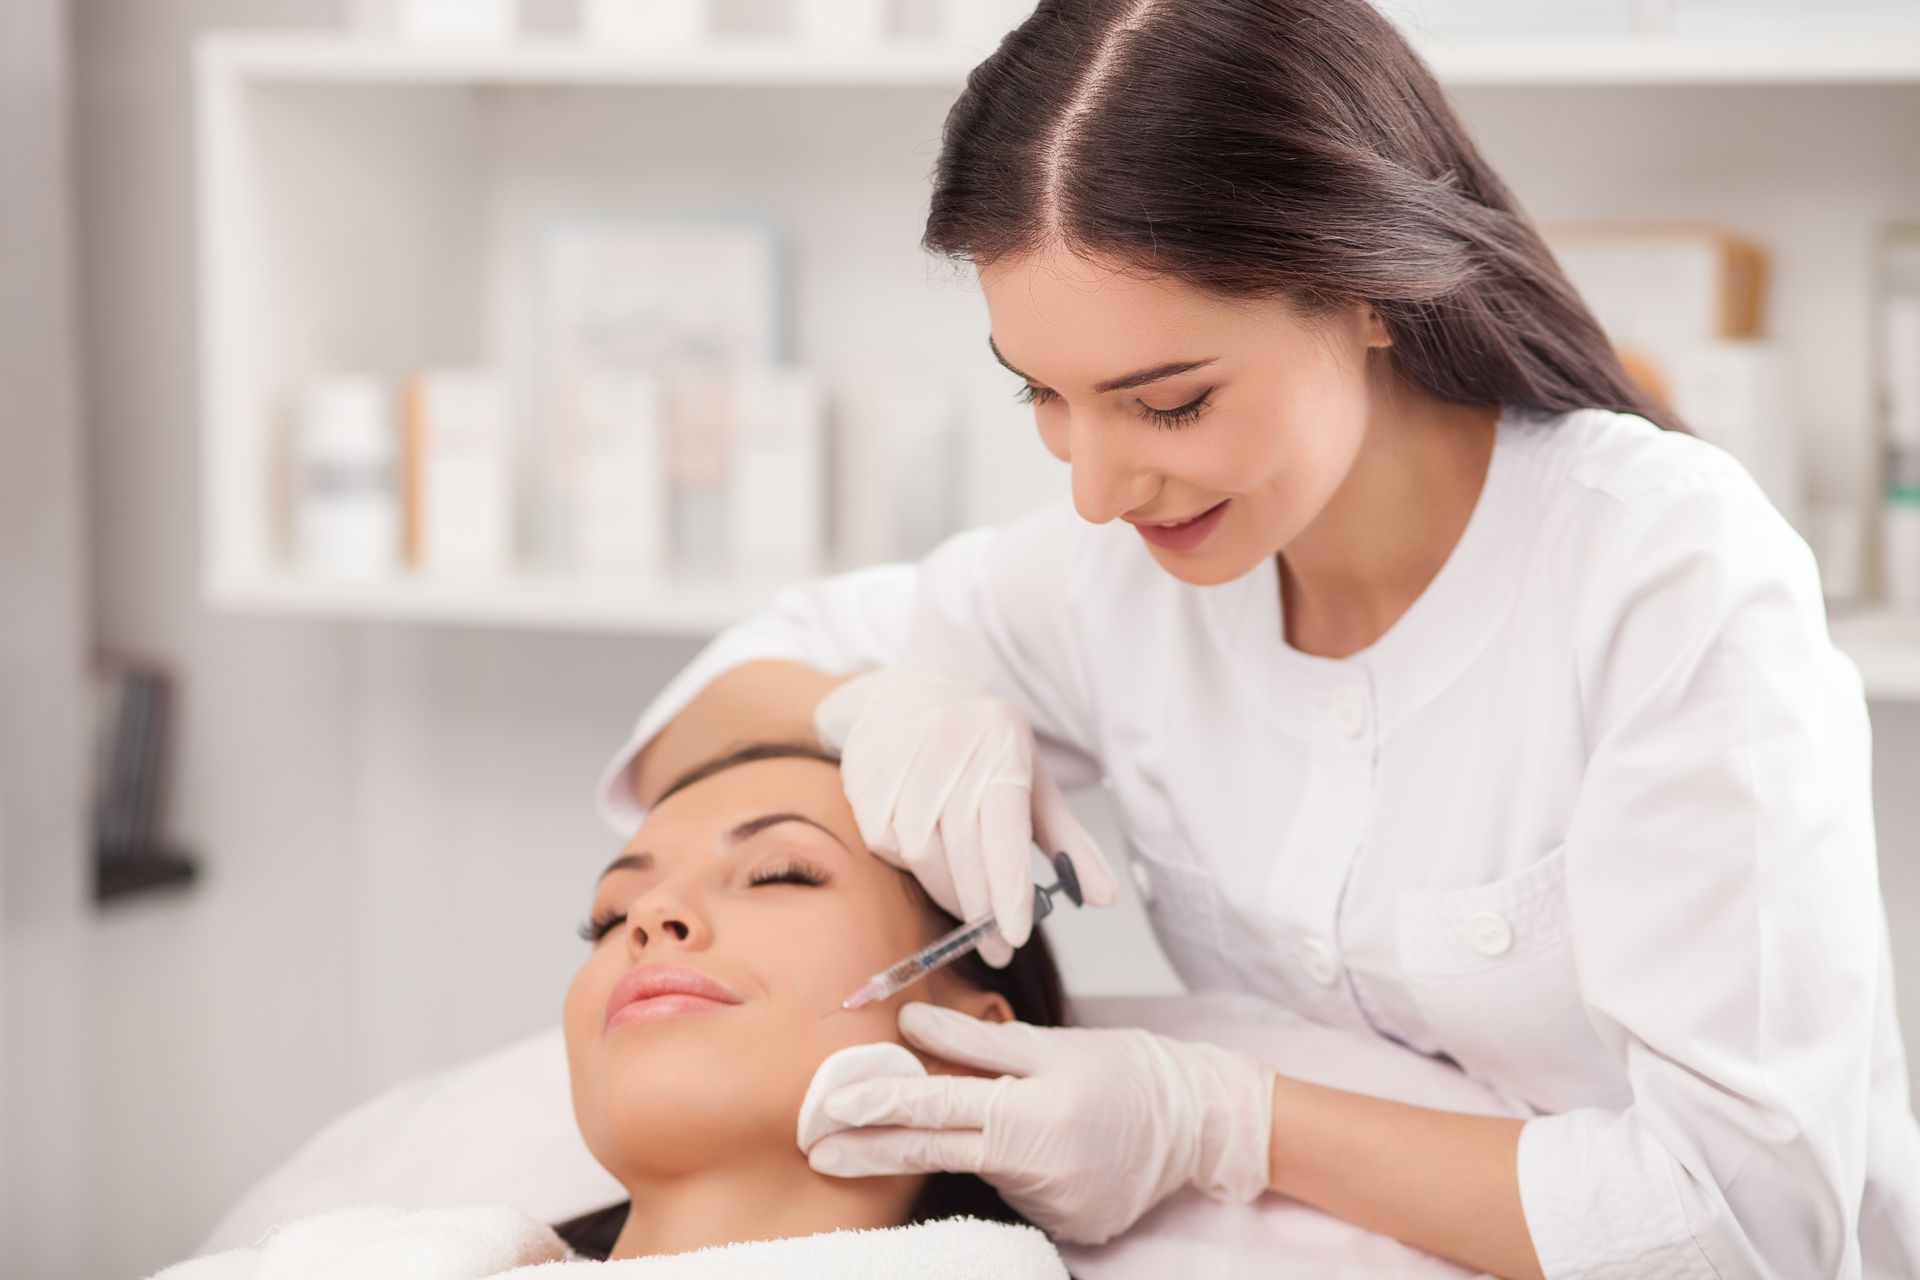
pixel 1593 819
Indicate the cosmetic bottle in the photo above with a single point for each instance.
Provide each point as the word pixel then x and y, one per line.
pixel 346 518
pixel 775 501
pixel 459 473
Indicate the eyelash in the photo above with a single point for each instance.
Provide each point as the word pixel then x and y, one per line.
pixel 597 927
pixel 1172 419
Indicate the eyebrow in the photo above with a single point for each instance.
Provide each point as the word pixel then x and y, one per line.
pixel 743 831
pixel 1125 382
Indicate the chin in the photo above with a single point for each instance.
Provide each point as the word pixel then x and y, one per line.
pixel 679 1117
pixel 1208 567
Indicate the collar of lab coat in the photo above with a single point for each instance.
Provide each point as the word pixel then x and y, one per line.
pixel 1425 649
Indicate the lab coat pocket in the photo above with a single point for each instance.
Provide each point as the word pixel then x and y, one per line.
pixel 1491 968
pixel 1181 901
pixel 1486 926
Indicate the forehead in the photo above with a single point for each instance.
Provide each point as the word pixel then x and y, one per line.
pixel 715 803
pixel 1054 301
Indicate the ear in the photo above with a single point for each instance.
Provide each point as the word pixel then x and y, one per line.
pixel 988 1006
pixel 1373 329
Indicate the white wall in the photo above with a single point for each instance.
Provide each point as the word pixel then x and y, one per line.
pixel 43 957
pixel 394 821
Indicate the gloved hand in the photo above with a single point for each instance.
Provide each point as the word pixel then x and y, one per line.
pixel 1089 1128
pixel 945 783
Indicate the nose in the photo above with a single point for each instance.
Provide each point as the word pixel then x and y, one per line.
pixel 1107 480
pixel 662 921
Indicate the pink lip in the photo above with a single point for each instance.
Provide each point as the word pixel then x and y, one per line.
pixel 1188 533
pixel 661 991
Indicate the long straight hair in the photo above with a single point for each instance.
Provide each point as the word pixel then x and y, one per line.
pixel 1297 149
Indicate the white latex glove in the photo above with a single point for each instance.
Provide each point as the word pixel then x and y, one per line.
pixel 1089 1128
pixel 945 783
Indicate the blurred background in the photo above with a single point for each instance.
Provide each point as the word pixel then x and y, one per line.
pixel 397 394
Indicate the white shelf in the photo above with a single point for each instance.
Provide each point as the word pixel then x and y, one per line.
pixel 1518 59
pixel 361 207
pixel 685 607
pixel 348 59
pixel 1631 58
pixel 1886 648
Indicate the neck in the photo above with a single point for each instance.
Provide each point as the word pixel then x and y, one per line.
pixel 764 1199
pixel 1389 528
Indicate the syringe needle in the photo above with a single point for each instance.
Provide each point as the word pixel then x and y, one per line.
pixel 945 950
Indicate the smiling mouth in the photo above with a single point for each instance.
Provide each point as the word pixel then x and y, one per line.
pixel 1181 523
pixel 1182 535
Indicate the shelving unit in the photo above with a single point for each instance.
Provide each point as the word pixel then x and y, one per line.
pixel 687 606
pixel 361 202
pixel 1459 58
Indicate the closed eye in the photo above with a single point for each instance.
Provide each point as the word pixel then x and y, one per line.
pixel 598 927
pixel 1180 417
pixel 1169 418
pixel 788 872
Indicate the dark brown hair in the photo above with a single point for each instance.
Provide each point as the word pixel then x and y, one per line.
pixel 1030 983
pixel 1297 149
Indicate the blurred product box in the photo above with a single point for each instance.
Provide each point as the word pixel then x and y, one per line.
pixel 897 462
pixel 1900 336
pixel 1899 365
pixel 616 422
pixel 979 25
pixel 841 24
pixel 1796 15
pixel 645 23
pixel 345 483
pixel 1521 15
pixel 1685 306
pixel 1735 394
pixel 776 496
pixel 1656 285
pixel 438 21
pixel 700 464
pixel 459 473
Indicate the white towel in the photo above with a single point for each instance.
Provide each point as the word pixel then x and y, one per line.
pixel 950 1249
pixel 471 1242
pixel 381 1242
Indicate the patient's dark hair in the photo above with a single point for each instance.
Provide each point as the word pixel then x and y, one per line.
pixel 1030 983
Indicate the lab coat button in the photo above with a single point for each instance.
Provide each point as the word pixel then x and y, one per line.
pixel 1490 933
pixel 1316 957
pixel 1350 711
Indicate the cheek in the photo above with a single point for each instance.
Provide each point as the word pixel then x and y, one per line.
pixel 1293 446
pixel 815 964
pixel 822 966
pixel 581 1031
pixel 574 1003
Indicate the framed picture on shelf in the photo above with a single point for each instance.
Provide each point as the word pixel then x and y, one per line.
pixel 658 293
pixel 627 306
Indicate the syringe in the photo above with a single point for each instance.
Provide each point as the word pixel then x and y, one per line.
pixel 949 947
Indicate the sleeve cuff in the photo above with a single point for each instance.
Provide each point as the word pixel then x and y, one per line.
pixel 1600 1202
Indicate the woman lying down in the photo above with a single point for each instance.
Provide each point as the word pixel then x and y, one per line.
pixel 723 939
